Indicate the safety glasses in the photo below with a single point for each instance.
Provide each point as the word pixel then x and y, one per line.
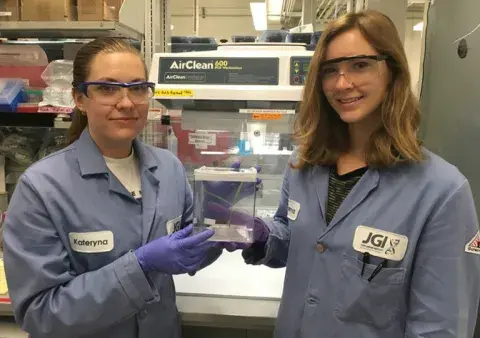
pixel 357 70
pixel 111 93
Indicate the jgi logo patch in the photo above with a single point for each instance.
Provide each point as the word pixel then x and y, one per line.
pixel 380 243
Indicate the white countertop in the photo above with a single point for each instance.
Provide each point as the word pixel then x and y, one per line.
pixel 228 290
pixel 232 291
pixel 229 276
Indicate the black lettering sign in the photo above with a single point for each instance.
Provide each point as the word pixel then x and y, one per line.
pixel 376 240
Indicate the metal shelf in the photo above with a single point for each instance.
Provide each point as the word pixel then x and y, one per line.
pixel 131 25
pixel 40 120
pixel 67 29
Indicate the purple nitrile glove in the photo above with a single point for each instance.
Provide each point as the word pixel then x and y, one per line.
pixel 177 253
pixel 229 215
pixel 229 193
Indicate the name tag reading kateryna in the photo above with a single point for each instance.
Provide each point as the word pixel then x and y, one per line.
pixel 380 243
pixel 91 242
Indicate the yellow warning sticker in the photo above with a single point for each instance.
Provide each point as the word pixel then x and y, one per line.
pixel 174 92
pixel 3 280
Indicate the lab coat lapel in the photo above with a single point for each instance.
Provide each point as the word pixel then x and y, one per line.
pixel 90 160
pixel 149 202
pixel 92 163
pixel 357 195
pixel 320 177
pixel 116 186
pixel 150 186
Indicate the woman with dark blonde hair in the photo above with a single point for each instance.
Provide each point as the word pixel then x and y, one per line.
pixel 379 236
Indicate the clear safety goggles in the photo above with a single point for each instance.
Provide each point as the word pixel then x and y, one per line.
pixel 111 93
pixel 357 70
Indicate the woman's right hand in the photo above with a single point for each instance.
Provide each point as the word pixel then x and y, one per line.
pixel 177 253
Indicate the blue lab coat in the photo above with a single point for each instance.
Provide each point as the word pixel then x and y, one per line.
pixel 69 238
pixel 432 292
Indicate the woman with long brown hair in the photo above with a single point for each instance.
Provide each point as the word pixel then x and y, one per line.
pixel 379 236
pixel 95 232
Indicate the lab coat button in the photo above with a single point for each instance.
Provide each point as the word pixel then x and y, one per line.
pixel 142 314
pixel 321 248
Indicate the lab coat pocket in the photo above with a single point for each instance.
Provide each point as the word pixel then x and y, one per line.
pixel 374 303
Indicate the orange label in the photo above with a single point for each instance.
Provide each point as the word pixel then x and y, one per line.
pixel 267 116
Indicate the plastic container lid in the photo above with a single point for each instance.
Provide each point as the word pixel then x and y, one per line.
pixel 9 89
pixel 28 55
pixel 273 36
pixel 225 174
pixel 299 38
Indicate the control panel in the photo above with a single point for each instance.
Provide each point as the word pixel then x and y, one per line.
pixel 298 70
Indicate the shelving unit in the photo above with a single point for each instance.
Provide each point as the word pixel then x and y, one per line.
pixel 68 29
pixel 149 26
pixel 27 119
pixel 131 24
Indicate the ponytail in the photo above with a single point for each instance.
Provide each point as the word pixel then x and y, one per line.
pixel 79 123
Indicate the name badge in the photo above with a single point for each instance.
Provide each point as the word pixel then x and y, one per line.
pixel 293 210
pixel 380 243
pixel 174 225
pixel 91 242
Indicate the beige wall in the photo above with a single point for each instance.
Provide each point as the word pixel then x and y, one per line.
pixel 223 18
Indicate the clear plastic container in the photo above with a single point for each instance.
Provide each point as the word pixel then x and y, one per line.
pixel 26 62
pixel 225 202
pixel 11 94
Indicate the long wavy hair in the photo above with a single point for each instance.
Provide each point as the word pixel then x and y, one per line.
pixel 321 135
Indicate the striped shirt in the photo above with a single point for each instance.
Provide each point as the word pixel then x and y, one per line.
pixel 339 186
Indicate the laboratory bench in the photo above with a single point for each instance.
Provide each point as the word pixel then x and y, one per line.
pixel 226 299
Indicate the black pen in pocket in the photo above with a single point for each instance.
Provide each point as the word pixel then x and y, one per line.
pixel 365 260
pixel 379 267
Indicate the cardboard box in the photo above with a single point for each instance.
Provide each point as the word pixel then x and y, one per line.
pixel 48 10
pixel 111 9
pixel 9 10
pixel 90 10
pixel 97 10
